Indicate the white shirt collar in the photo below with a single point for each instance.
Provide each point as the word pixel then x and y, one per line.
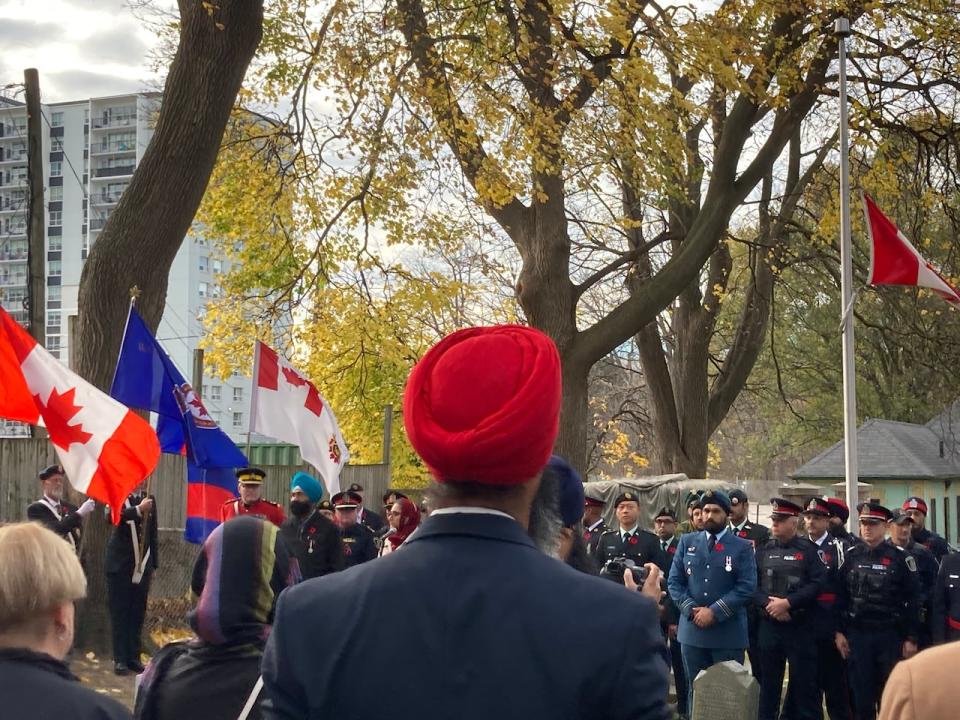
pixel 631 531
pixel 738 528
pixel 718 535
pixel 470 510
pixel 822 540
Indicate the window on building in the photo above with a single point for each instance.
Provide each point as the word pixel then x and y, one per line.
pixel 54 268
pixel 53 342
pixel 217 266
pixel 56 218
pixel 204 263
pixel 214 392
pixel 56 145
pixel 238 394
pixel 216 416
pixel 56 194
pixel 56 119
pixel 56 168
pixel 53 318
pixel 238 419
pixel 203 290
pixel 55 243
pixel 53 293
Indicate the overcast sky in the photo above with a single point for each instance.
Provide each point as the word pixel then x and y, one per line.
pixel 82 48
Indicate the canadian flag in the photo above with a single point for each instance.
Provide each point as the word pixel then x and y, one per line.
pixel 895 261
pixel 287 406
pixel 105 449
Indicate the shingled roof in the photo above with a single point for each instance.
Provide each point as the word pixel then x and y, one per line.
pixel 888 449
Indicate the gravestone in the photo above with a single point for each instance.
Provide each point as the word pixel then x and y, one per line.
pixel 725 691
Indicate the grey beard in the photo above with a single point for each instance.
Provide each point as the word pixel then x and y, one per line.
pixel 545 523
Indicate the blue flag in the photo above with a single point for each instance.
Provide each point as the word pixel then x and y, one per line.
pixel 147 379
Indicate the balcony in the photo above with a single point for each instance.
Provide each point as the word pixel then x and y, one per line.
pixel 13 255
pixel 98 223
pixel 8 207
pixel 13 281
pixel 122 146
pixel 106 198
pixel 122 171
pixel 13 157
pixel 13 182
pixel 127 119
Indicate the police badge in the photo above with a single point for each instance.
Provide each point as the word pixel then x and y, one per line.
pixel 911 563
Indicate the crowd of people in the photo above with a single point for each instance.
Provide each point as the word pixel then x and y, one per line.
pixel 503 593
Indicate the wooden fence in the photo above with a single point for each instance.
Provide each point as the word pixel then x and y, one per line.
pixel 22 458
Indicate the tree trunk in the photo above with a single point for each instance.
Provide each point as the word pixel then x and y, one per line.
pixel 145 232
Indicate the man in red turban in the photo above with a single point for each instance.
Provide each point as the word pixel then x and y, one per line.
pixel 495 627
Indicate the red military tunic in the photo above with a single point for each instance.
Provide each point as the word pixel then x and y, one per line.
pixel 261 509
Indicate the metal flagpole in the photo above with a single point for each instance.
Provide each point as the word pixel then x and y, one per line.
pixel 841 29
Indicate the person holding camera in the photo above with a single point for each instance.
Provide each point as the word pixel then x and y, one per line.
pixel 790 575
pixel 712 580
pixel 628 541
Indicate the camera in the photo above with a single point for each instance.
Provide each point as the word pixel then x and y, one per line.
pixel 615 567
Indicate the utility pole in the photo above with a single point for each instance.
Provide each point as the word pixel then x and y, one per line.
pixel 36 227
pixel 198 372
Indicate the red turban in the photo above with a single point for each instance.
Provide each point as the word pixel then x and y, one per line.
pixel 483 405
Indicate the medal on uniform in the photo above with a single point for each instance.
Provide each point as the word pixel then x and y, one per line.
pixel 728 565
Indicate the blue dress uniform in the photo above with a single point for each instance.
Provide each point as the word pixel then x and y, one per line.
pixel 790 570
pixel 718 572
pixel 945 604
pixel 878 606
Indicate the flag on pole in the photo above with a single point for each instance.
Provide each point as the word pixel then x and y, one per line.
pixel 895 261
pixel 288 407
pixel 105 449
pixel 146 378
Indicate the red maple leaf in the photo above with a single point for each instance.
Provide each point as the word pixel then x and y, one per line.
pixel 57 413
pixel 313 402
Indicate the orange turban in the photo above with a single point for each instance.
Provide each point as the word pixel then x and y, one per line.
pixel 483 405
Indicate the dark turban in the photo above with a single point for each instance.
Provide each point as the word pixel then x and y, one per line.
pixel 483 405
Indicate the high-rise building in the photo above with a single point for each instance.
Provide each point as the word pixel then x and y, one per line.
pixel 90 149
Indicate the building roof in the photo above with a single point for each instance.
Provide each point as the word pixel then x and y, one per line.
pixel 946 426
pixel 886 449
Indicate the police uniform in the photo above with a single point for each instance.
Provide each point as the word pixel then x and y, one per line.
pixel 718 572
pixel 793 570
pixel 945 603
pixel 878 607
pixel 927 569
pixel 263 509
pixel 57 515
pixel 831 670
pixel 376 524
pixel 592 534
pixel 128 580
pixel 359 544
pixel 839 510
pixel 634 544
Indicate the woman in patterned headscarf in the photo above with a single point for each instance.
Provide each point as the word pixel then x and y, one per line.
pixel 404 518
pixel 242 569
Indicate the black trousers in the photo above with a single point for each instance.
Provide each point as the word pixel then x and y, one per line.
pixel 128 609
pixel 779 644
pixel 873 653
pixel 679 677
pixel 831 680
pixel 753 650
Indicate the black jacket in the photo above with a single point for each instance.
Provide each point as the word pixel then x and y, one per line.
pixel 359 545
pixel 756 533
pixel 315 543
pixel 945 603
pixel 793 570
pixel 374 522
pixel 496 628
pixel 120 553
pixel 67 526
pixel 932 542
pixel 35 686
pixel 642 547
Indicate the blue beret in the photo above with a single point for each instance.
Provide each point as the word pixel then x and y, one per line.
pixel 309 484
pixel 716 497
pixel 570 490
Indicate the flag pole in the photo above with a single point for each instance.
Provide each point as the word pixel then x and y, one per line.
pixel 841 29
pixel 253 395
pixel 142 538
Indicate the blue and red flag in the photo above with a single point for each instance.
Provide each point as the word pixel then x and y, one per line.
pixel 147 379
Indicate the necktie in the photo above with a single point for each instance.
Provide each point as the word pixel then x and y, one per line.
pixel 663 545
pixel 712 543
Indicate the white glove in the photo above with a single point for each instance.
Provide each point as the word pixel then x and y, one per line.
pixel 88 505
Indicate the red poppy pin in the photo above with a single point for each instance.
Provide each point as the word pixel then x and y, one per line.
pixel 718 547
pixel 672 549
pixel 799 556
pixel 633 540
pixel 347 550
pixel 827 558
pixel 885 561
pixel 312 530
pixel 742 533
pixel 587 536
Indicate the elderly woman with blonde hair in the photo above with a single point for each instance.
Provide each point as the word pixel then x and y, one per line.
pixel 40 580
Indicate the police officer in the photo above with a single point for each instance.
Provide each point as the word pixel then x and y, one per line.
pixel 901 527
pixel 839 514
pixel 945 603
pixel 831 669
pixel 878 606
pixel 712 580
pixel 325 508
pixel 593 524
pixel 359 545
pixel 916 508
pixel 665 528
pixel 758 535
pixel 628 540
pixel 377 525
pixel 790 576
pixel 52 511
pixel 130 566
pixel 311 537
pixel 250 502
pixel 693 522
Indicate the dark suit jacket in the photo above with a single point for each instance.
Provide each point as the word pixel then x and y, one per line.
pixel 120 555
pixel 671 613
pixel 483 623
pixel 67 527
